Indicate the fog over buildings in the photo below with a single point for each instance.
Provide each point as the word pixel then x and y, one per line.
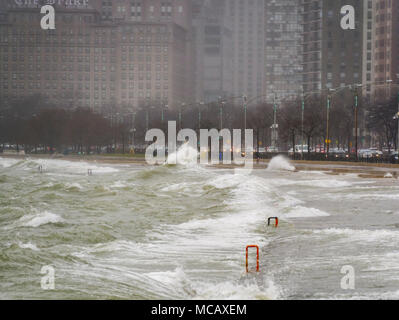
pixel 169 52
pixel 213 51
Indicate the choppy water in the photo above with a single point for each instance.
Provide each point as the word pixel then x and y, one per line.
pixel 180 232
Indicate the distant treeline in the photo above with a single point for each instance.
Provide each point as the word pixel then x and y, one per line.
pixel 37 124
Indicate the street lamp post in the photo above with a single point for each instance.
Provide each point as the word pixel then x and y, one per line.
pixel 328 124
pixel 221 104
pixel 356 123
pixel 302 120
pixel 274 128
pixel 147 120
pixel 331 93
pixel 133 127
pixel 245 105
pixel 180 115
pixel 164 107
pixel 200 104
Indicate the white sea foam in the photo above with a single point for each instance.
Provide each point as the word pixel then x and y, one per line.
pixel 193 189
pixel 74 185
pixel 304 212
pixel 245 209
pixel 38 219
pixel 320 183
pixel 226 181
pixel 249 290
pixel 288 201
pixel 118 185
pixel 308 172
pixel 228 290
pixel 8 162
pixel 366 196
pixel 77 167
pixel 28 245
pixel 280 163
pixel 185 155
pixel 382 235
pixel 330 183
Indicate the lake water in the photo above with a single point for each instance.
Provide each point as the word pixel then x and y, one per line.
pixel 180 232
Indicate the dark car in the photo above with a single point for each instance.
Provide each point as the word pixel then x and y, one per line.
pixel 393 158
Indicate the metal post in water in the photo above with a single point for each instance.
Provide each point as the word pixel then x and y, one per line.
pixel 257 257
pixel 272 218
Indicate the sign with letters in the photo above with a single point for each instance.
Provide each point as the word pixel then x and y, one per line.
pixel 64 3
pixel 47 9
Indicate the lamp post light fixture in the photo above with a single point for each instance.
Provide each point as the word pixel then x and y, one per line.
pixel 147 120
pixel 356 120
pixel 245 106
pixel 164 107
pixel 183 104
pixel 222 104
pixel 200 105
pixel 275 125
pixel 133 130
pixel 328 123
pixel 302 121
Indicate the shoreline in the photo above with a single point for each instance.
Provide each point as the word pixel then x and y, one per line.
pixel 365 170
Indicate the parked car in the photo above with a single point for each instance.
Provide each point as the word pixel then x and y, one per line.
pixel 298 149
pixel 394 157
pixel 365 153
pixel 338 152
pixel 272 149
pixel 376 153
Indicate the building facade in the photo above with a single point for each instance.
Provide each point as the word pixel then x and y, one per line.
pixel 368 48
pixel 332 57
pixel 247 23
pixel 283 48
pixel 213 52
pixel 95 62
pixel 385 46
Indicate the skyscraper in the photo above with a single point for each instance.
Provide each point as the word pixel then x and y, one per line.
pixel 140 52
pixel 213 52
pixel 368 47
pixel 247 22
pixel 283 48
pixel 332 57
pixel 385 45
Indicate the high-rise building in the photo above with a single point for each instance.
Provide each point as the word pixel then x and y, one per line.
pixel 213 52
pixel 385 45
pixel 96 61
pixel 332 56
pixel 176 11
pixel 247 23
pixel 368 48
pixel 283 48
